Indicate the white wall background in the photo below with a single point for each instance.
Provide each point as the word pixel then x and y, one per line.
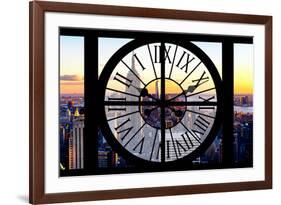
pixel 14 100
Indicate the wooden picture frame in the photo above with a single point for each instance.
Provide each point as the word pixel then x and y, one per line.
pixel 37 12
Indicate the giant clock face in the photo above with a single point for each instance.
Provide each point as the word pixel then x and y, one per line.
pixel 162 101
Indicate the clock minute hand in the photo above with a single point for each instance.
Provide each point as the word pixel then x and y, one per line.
pixel 182 93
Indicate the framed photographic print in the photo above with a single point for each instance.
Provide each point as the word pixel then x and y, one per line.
pixel 137 102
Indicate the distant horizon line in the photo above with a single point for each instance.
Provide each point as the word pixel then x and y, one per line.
pixel 152 93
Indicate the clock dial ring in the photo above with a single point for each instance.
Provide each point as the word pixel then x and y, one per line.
pixel 117 57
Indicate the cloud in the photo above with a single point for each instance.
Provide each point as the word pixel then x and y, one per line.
pixel 71 78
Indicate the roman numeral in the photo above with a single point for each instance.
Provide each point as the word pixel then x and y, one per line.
pixel 158 151
pixel 152 149
pixel 172 66
pixel 116 108
pixel 179 147
pixel 136 57
pixel 139 144
pixel 206 100
pixel 132 71
pixel 122 79
pixel 190 134
pixel 173 141
pixel 188 60
pixel 187 141
pixel 190 72
pixel 168 148
pixel 134 135
pixel 157 54
pixel 119 129
pixel 151 58
pixel 201 80
pixel 198 82
pixel 202 124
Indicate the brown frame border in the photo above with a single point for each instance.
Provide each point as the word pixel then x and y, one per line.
pixel 36 101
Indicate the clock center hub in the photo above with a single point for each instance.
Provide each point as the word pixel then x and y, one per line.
pixel 170 102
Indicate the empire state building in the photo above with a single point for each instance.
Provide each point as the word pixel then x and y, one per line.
pixel 135 118
pixel 137 83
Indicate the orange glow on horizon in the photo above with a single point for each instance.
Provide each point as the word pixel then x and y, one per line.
pixel 243 80
pixel 72 87
pixel 243 84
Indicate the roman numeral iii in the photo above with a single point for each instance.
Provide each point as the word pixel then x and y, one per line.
pixel 117 108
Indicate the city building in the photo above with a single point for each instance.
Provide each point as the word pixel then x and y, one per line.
pixel 76 144
pixel 71 132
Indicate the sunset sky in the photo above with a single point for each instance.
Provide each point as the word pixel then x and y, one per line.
pixel 243 69
pixel 71 65
pixel 72 62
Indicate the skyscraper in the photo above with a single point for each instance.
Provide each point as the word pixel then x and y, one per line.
pixel 76 144
pixel 157 89
pixel 137 83
pixel 135 119
pixel 132 90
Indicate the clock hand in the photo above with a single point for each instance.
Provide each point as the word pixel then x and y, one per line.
pixel 178 113
pixel 190 89
pixel 151 96
pixel 144 92
pixel 137 88
pixel 147 112
pixel 182 93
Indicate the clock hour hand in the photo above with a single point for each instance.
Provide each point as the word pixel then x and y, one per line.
pixel 173 98
pixel 178 113
pixel 147 112
pixel 144 92
pixel 137 88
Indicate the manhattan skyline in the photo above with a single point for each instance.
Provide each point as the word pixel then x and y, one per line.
pixel 72 111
